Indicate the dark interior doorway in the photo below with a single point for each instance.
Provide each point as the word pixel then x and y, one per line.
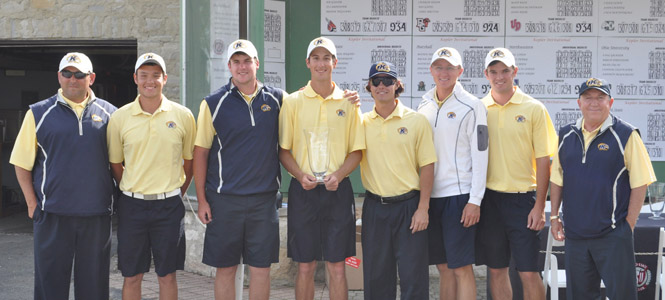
pixel 28 73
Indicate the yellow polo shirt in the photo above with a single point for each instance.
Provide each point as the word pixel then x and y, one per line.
pixel 152 146
pixel 519 132
pixel 25 146
pixel 636 158
pixel 306 109
pixel 397 147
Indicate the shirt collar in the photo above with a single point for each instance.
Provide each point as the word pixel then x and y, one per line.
pixel 164 106
pixel 337 93
pixel 609 121
pixel 398 112
pixel 62 99
pixel 517 98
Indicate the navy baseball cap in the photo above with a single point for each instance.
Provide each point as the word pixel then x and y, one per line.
pixel 382 67
pixel 595 83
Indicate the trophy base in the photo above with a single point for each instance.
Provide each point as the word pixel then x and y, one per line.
pixel 319 177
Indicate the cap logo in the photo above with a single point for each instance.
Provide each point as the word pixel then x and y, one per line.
pixel 497 54
pixel 593 82
pixel 74 58
pixel 265 107
pixel 148 56
pixel 451 115
pixel 319 42
pixel 382 67
pixel 238 45
pixel 402 130
pixel 340 113
pixel 520 119
pixel 603 147
pixel 171 124
pixel 445 52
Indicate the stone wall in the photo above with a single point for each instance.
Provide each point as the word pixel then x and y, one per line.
pixel 154 24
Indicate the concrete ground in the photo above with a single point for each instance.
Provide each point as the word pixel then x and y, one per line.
pixel 16 272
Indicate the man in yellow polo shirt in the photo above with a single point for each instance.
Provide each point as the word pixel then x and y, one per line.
pixel 521 141
pixel 395 211
pixel 61 163
pixel 151 136
pixel 321 217
pixel 600 173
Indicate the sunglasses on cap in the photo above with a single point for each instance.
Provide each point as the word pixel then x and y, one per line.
pixel 387 81
pixel 77 75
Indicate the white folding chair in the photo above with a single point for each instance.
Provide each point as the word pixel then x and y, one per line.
pixel 553 278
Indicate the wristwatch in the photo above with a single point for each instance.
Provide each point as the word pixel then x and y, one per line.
pixel 552 218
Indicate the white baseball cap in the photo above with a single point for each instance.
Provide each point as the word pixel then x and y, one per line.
pixel 322 42
pixel 243 46
pixel 150 58
pixel 449 54
pixel 76 60
pixel 500 54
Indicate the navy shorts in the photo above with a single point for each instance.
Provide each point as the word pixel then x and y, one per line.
pixel 449 241
pixel 151 228
pixel 321 223
pixel 246 226
pixel 503 231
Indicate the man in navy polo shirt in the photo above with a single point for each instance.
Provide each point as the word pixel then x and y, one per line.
pixel 600 174
pixel 62 166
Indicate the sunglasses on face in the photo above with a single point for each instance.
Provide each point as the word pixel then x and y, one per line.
pixel 387 81
pixel 77 75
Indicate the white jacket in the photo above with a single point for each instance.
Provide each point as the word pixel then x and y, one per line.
pixel 461 140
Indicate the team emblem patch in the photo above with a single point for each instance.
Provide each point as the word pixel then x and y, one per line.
pixel 148 56
pixel 402 130
pixel 238 44
pixel 451 115
pixel 593 82
pixel 171 124
pixel 497 54
pixel 643 276
pixel 96 118
pixel 603 147
pixel 340 113
pixel 382 67
pixel 265 107
pixel 319 42
pixel 520 119
pixel 74 58
pixel 444 53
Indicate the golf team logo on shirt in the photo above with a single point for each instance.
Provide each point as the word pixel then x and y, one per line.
pixel 451 115
pixel 171 124
pixel 603 147
pixel 265 107
pixel 340 113
pixel 643 276
pixel 402 130
pixel 520 119
pixel 96 118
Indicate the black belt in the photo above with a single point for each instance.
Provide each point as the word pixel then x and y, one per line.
pixel 393 199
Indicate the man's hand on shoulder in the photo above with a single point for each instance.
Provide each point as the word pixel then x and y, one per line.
pixel 352 96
